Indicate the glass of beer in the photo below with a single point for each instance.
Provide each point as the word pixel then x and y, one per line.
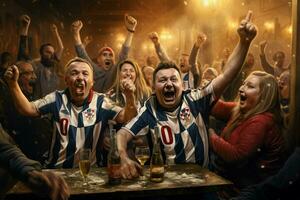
pixel 142 154
pixel 84 164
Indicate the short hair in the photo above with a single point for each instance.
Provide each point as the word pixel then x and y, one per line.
pixel 21 63
pixel 77 59
pixel 43 46
pixel 165 65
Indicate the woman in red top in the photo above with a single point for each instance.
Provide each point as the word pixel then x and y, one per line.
pixel 251 146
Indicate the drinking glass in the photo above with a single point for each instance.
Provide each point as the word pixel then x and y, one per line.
pixel 84 164
pixel 142 154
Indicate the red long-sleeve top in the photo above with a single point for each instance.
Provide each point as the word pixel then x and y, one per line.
pixel 257 139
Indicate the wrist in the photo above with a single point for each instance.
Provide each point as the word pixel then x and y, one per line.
pixel 131 31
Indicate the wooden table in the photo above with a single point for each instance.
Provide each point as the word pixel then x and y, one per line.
pixel 180 181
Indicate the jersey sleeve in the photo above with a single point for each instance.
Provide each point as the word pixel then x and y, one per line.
pixel 46 104
pixel 139 125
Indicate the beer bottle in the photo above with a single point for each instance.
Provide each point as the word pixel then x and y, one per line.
pixel 113 160
pixel 156 164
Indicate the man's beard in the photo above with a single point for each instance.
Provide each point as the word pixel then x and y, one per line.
pixel 52 62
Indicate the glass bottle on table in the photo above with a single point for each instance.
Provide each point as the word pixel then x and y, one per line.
pixel 157 168
pixel 113 160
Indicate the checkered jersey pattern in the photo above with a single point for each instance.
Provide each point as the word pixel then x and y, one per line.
pixel 189 78
pixel 183 133
pixel 75 127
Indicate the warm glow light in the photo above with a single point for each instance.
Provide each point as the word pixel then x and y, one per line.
pixel 165 35
pixel 269 25
pixel 208 3
pixel 231 25
pixel 120 38
pixel 290 29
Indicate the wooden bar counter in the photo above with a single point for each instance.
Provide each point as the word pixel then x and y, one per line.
pixel 187 180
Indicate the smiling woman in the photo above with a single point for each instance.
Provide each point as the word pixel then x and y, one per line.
pixel 251 146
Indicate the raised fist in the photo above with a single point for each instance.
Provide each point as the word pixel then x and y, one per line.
pixel 247 31
pixel 11 74
pixel 153 37
pixel 201 38
pixel 76 26
pixel 128 86
pixel 130 23
pixel 25 20
pixel 53 28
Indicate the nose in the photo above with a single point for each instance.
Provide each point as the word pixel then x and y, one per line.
pixel 241 89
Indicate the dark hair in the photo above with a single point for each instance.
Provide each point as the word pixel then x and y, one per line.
pixel 5 57
pixel 165 65
pixel 43 46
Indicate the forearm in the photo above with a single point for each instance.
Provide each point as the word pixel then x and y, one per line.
pixel 265 64
pixel 161 53
pixel 130 110
pixel 60 45
pixel 123 137
pixel 16 162
pixel 232 67
pixel 21 102
pixel 23 48
pixel 194 66
pixel 77 38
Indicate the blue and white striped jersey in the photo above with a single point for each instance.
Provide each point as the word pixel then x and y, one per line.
pixel 75 127
pixel 188 79
pixel 183 132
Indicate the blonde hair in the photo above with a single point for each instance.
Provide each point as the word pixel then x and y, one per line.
pixel 268 102
pixel 142 89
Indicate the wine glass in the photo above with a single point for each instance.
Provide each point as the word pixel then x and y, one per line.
pixel 84 164
pixel 142 154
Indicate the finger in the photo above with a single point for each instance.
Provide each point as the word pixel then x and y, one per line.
pixel 248 16
pixel 252 28
pixel 248 25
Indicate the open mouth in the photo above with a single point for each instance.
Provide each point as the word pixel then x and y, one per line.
pixel 181 65
pixel 243 97
pixel 169 95
pixel 107 62
pixel 79 87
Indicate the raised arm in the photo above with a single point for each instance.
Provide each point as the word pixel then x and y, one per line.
pixel 130 24
pixel 21 102
pixel 201 38
pixel 23 52
pixel 247 31
pixel 263 59
pixel 161 53
pixel 59 41
pixel 79 47
pixel 130 109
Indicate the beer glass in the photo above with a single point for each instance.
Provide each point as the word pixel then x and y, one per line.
pixel 84 164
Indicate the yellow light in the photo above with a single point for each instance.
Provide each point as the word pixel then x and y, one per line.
pixel 231 25
pixel 145 46
pixel 165 35
pixel 290 29
pixel 269 25
pixel 120 38
pixel 208 3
